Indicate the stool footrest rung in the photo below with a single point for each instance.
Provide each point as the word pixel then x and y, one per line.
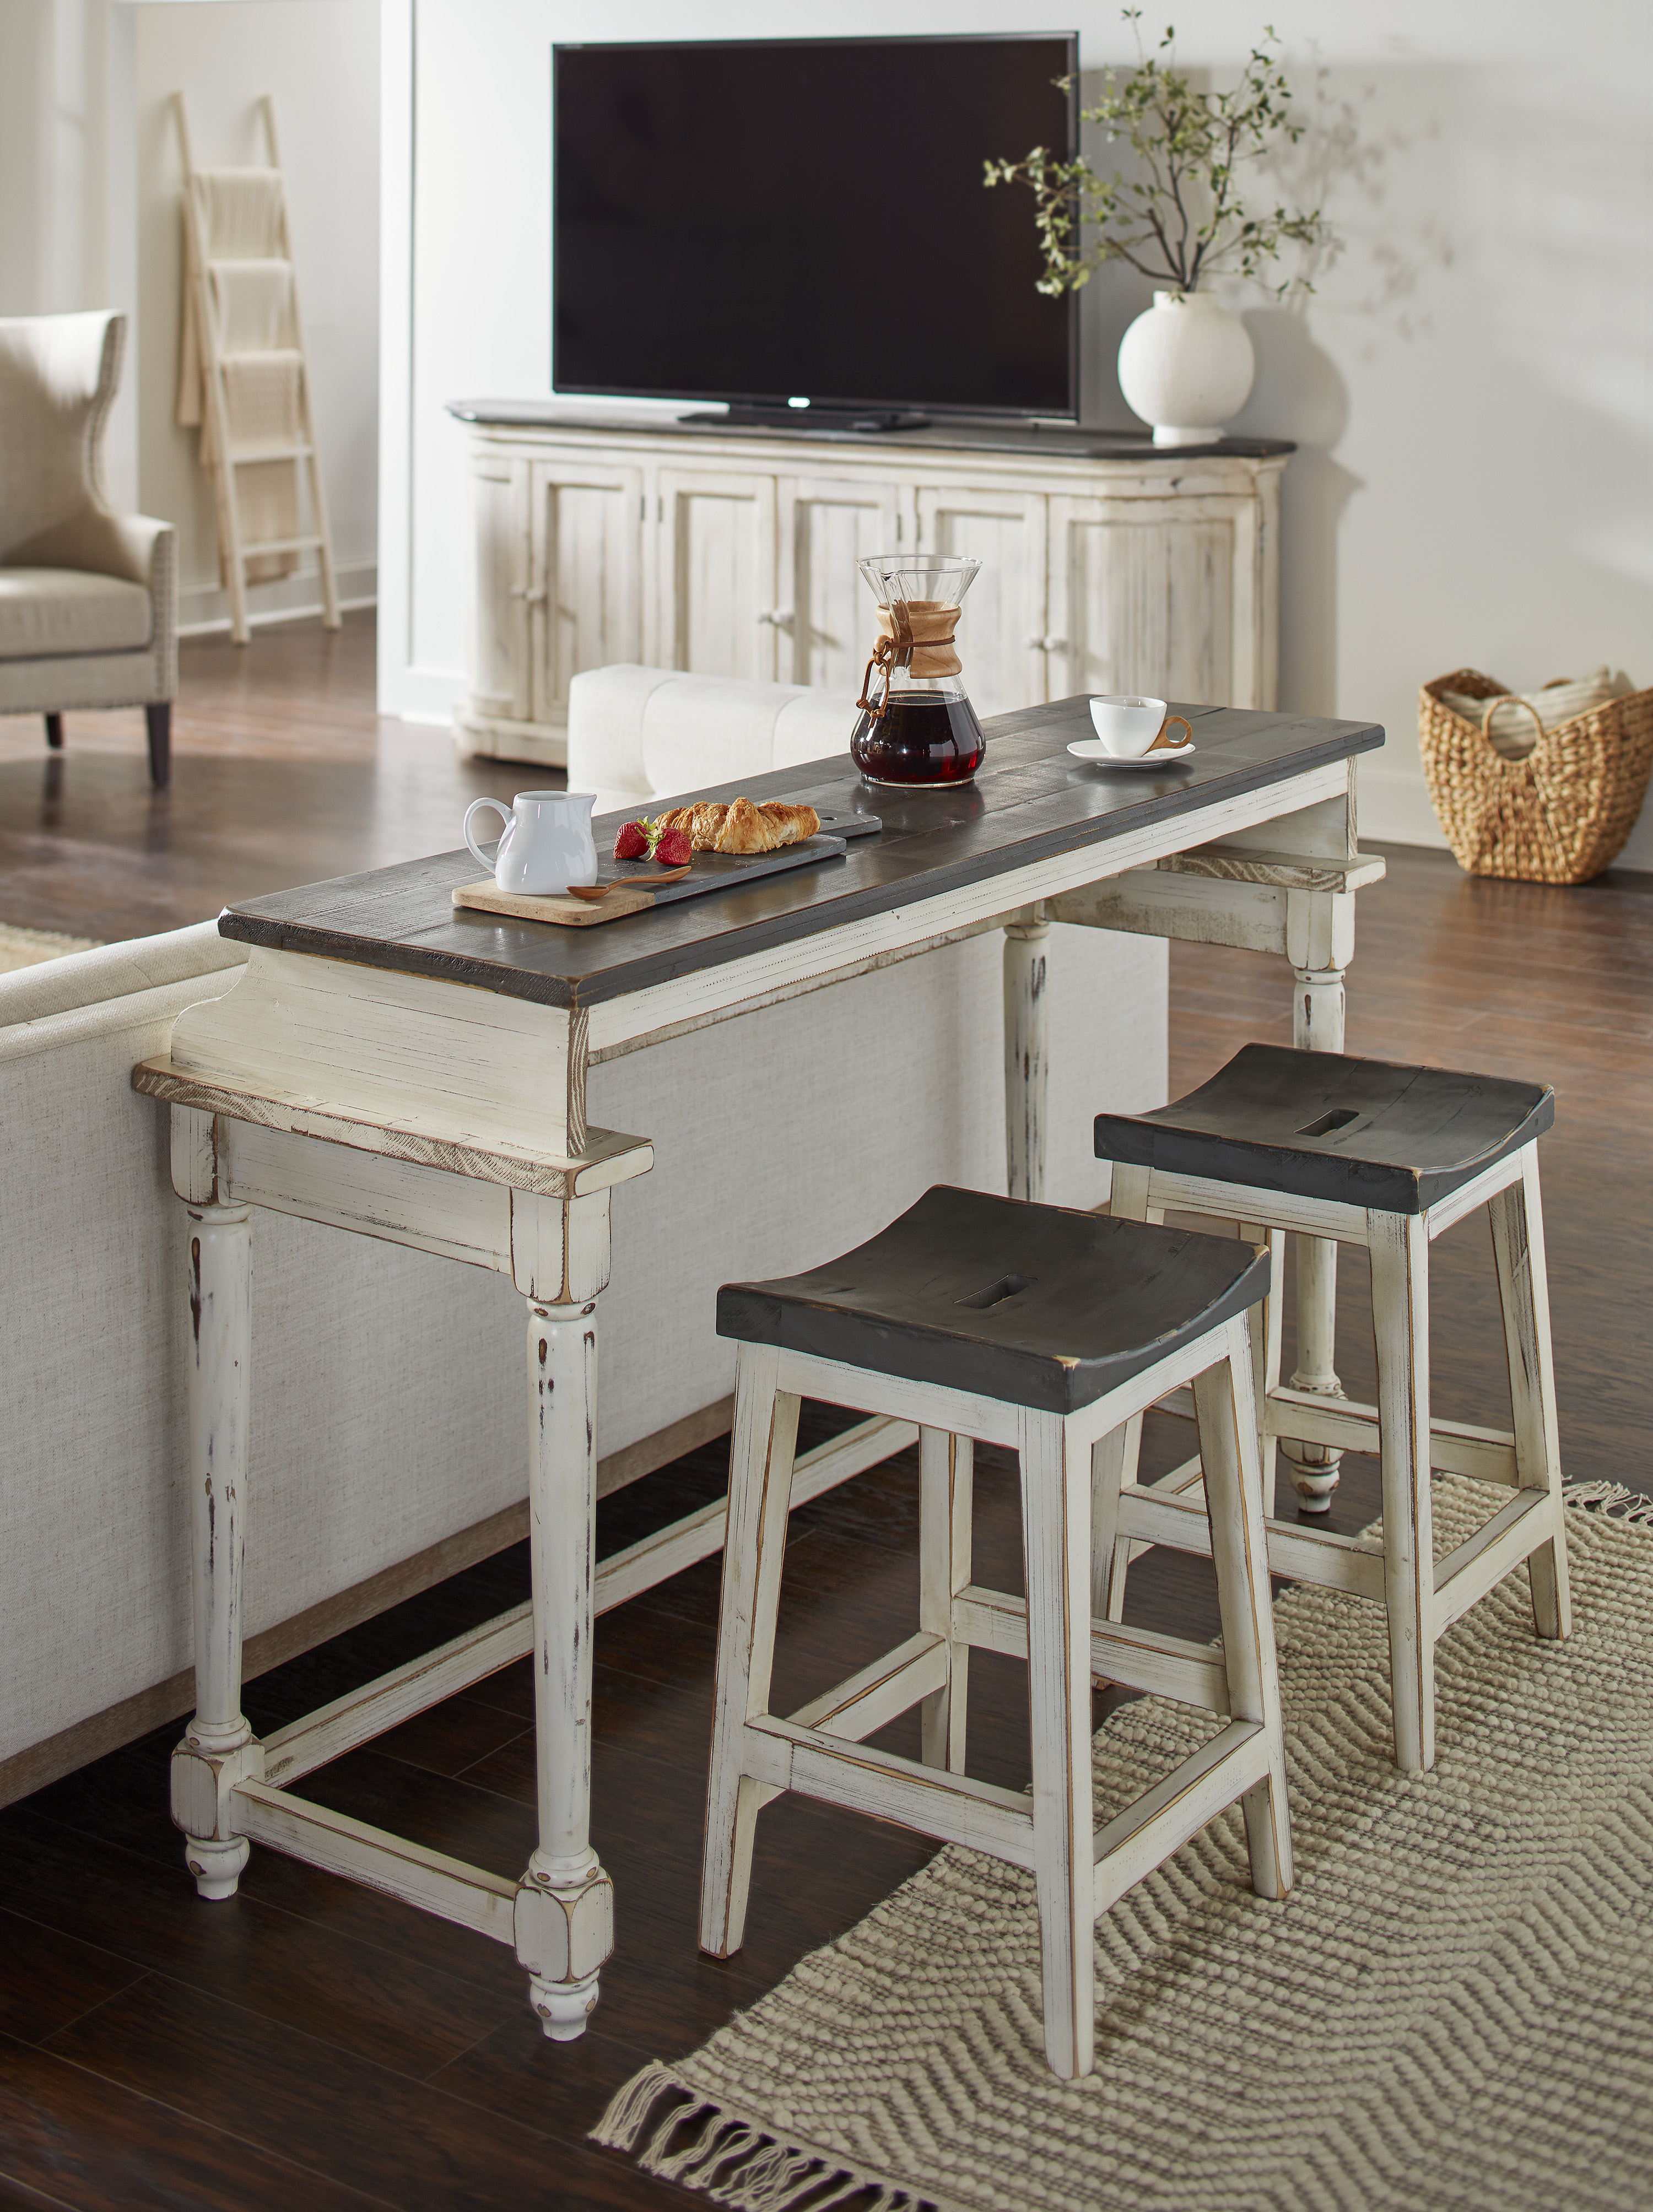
pixel 866 1701
pixel 950 1807
pixel 1334 1562
pixel 1145 1834
pixel 1136 1658
pixel 1454 1447
pixel 1463 1578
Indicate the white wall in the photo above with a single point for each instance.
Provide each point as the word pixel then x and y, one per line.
pixel 1471 387
pixel 68 236
pixel 320 60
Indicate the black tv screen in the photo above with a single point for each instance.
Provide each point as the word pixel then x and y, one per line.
pixel 804 218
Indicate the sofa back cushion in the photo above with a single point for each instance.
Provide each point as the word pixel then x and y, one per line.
pixel 638 734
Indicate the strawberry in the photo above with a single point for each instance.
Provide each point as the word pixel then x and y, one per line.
pixel 632 843
pixel 672 849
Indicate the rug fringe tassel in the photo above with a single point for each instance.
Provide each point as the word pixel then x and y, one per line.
pixel 1612 1501
pixel 727 2159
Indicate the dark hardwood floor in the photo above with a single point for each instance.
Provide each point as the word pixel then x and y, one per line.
pixel 312 2041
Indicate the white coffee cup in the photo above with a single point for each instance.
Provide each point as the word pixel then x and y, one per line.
pixel 547 844
pixel 1128 725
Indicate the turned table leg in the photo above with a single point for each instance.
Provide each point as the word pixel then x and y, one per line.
pixel 1027 1032
pixel 1316 1026
pixel 217 1750
pixel 565 1901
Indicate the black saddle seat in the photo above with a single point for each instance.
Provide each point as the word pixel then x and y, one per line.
pixel 1036 1305
pixel 1367 1132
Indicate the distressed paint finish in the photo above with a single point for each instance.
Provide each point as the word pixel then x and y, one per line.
pixel 1027 1056
pixel 219 1259
pixel 565 1904
pixel 1317 1026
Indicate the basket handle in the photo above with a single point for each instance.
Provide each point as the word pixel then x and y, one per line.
pixel 1508 699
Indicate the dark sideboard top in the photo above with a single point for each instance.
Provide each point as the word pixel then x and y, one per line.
pixel 1030 440
pixel 1031 801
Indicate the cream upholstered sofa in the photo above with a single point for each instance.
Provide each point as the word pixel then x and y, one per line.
pixel 363 1491
pixel 88 597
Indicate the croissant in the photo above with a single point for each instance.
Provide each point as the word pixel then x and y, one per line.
pixel 746 829
pixel 741 827
pixel 794 823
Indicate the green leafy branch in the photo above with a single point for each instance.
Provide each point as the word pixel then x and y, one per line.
pixel 1179 217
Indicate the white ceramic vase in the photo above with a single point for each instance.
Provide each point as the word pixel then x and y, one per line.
pixel 1186 366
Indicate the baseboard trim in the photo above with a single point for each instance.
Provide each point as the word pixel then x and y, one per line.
pixel 99 1734
pixel 203 609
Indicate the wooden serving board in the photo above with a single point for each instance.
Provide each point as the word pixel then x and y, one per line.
pixel 707 872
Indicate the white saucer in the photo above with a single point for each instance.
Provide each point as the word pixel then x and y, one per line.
pixel 1092 749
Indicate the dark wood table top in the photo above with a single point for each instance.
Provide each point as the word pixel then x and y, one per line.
pixel 1031 800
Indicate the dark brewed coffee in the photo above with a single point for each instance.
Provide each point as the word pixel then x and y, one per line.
pixel 920 739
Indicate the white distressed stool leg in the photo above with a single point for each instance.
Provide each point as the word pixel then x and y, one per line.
pixel 1517 1220
pixel 212 1757
pixel 760 1453
pixel 1027 1049
pixel 1116 1458
pixel 564 1916
pixel 1225 1410
pixel 1056 1541
pixel 1399 1298
pixel 946 1469
pixel 1265 1350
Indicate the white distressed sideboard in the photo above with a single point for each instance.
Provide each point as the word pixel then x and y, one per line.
pixel 725 551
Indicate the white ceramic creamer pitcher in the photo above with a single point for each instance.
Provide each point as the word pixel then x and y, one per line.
pixel 547 843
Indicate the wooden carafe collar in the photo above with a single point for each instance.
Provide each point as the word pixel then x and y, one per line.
pixel 916 634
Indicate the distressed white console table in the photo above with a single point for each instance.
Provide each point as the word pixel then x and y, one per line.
pixel 391 1065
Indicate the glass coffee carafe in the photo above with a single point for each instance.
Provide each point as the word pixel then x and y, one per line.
pixel 917 727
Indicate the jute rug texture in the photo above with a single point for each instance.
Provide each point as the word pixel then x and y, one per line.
pixel 27 948
pixel 1453 2009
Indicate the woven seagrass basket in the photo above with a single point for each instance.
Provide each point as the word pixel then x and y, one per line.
pixel 1561 815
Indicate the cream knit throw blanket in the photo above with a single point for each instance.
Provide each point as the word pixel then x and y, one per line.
pixel 1454 2009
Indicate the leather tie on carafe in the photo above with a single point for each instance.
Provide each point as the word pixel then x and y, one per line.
pixel 916 634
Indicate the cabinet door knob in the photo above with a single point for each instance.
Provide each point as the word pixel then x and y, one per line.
pixel 1034 644
pixel 536 598
pixel 1055 645
pixel 780 617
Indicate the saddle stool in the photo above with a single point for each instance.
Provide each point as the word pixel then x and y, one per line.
pixel 1040 1330
pixel 1366 1151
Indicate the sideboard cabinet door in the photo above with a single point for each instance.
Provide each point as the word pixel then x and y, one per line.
pixel 717 573
pixel 824 624
pixel 1002 636
pixel 1159 596
pixel 585 593
pixel 499 644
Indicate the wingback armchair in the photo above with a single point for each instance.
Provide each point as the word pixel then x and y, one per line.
pixel 88 597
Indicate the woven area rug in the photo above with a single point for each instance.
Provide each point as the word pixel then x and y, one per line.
pixel 27 948
pixel 1454 2007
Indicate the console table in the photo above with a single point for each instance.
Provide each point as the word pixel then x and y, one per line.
pixel 1107 565
pixel 391 1065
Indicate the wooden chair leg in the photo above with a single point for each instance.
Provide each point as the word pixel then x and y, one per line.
pixel 159 718
pixel 54 732
pixel 1115 1459
pixel 760 1453
pixel 1056 1539
pixel 946 1471
pixel 1266 1342
pixel 1399 1301
pixel 1225 1410
pixel 1516 1218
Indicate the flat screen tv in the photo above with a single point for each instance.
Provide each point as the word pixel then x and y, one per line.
pixel 772 221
